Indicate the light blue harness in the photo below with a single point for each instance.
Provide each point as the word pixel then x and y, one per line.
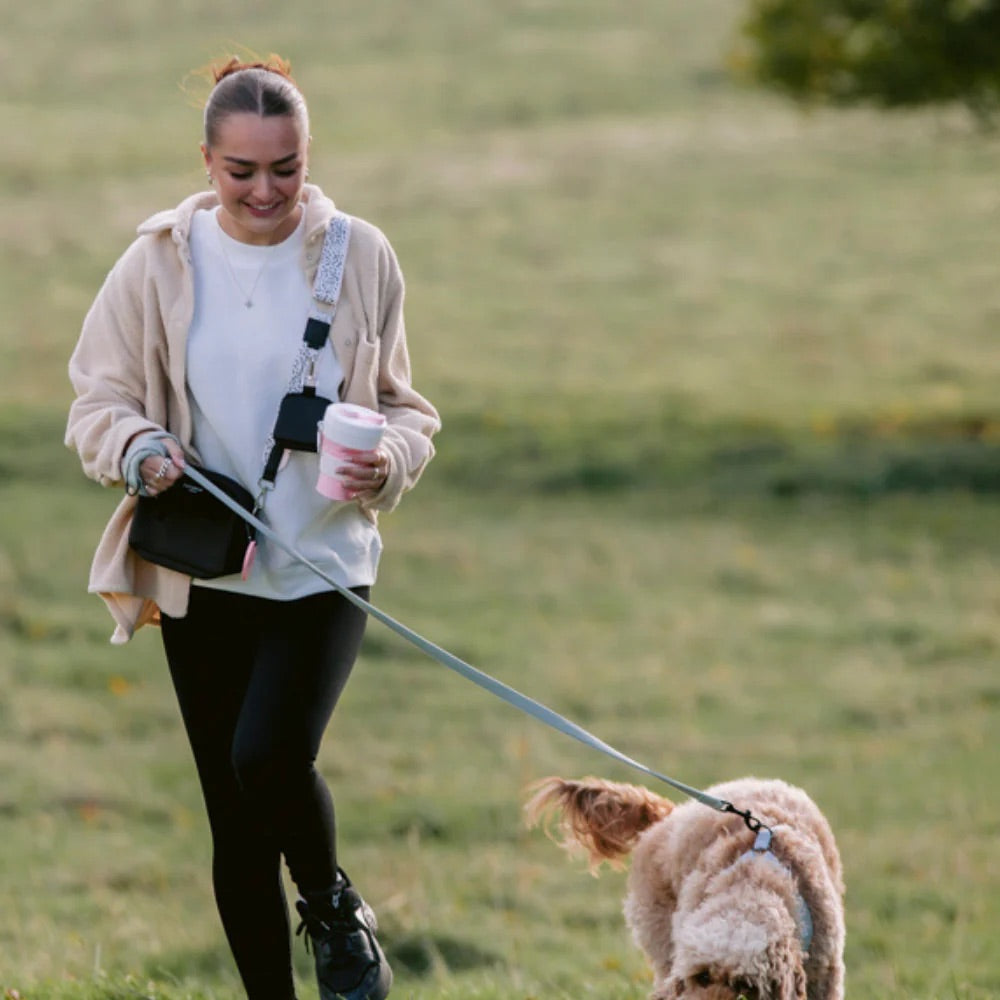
pixel 803 918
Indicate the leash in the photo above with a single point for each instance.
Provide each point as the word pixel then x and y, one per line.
pixel 488 683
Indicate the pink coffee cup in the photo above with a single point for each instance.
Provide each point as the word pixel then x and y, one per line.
pixel 347 433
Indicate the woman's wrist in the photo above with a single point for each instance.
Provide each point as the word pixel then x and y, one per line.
pixel 140 448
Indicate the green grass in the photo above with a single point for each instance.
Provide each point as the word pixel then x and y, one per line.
pixel 718 481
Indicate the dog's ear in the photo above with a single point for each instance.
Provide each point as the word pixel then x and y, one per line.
pixel 786 966
pixel 800 980
pixel 602 817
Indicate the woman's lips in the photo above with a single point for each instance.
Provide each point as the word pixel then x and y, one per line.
pixel 262 211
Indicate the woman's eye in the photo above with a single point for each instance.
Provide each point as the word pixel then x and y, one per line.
pixel 240 177
pixel 286 173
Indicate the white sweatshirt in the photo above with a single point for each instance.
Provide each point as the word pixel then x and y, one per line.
pixel 239 362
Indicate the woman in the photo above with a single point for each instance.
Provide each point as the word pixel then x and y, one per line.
pixel 185 355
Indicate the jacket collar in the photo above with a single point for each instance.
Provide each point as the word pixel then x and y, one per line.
pixel 177 221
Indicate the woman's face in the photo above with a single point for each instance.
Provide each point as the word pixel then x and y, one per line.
pixel 258 166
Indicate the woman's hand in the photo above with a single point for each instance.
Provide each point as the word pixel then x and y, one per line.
pixel 159 474
pixel 365 475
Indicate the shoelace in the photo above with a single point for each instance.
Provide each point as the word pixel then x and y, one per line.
pixel 317 927
pixel 308 938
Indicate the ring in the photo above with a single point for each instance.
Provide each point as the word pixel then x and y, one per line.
pixel 167 462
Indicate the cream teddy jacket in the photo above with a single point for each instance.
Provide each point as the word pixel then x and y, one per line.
pixel 128 371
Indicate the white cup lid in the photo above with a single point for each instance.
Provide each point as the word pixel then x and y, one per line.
pixel 353 426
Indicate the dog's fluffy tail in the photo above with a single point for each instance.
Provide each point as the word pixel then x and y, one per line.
pixel 602 817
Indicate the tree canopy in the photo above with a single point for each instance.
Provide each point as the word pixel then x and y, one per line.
pixel 893 53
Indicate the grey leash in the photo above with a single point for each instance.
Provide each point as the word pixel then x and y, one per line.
pixel 483 680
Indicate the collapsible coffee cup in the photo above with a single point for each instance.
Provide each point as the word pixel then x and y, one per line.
pixel 347 433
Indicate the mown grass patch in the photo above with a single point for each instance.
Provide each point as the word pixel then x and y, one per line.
pixel 717 481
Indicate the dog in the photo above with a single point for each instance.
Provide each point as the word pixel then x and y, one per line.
pixel 722 912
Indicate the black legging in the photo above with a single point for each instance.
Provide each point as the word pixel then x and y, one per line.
pixel 257 681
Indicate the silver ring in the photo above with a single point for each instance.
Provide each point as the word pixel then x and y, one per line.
pixel 167 462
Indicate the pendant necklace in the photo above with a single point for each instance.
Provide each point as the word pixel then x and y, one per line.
pixel 247 296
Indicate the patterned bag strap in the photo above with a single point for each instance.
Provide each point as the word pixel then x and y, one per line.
pixel 326 294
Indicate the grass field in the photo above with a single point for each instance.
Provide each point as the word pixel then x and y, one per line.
pixel 718 481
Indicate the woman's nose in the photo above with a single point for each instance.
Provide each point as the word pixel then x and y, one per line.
pixel 262 188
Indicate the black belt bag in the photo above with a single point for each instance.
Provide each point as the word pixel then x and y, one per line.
pixel 186 529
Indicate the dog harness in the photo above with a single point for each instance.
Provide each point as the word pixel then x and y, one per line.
pixel 803 918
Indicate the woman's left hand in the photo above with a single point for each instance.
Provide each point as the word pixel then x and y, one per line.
pixel 366 474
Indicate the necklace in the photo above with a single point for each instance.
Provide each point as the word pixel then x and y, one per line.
pixel 247 296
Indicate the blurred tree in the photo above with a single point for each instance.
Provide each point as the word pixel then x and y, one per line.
pixel 890 52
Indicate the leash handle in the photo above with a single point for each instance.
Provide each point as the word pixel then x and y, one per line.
pixel 488 683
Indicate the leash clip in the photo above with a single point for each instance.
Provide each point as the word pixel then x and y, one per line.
pixel 264 486
pixel 753 824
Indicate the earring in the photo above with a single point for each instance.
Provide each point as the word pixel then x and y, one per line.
pixel 208 174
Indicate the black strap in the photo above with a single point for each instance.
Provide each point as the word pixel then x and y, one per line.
pixel 317 330
pixel 271 467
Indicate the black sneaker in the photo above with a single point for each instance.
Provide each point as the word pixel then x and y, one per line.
pixel 349 962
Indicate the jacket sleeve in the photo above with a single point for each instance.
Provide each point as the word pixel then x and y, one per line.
pixel 411 419
pixel 107 371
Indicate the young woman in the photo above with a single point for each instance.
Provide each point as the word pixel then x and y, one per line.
pixel 186 354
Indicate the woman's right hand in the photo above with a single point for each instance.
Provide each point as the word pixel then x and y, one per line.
pixel 159 474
